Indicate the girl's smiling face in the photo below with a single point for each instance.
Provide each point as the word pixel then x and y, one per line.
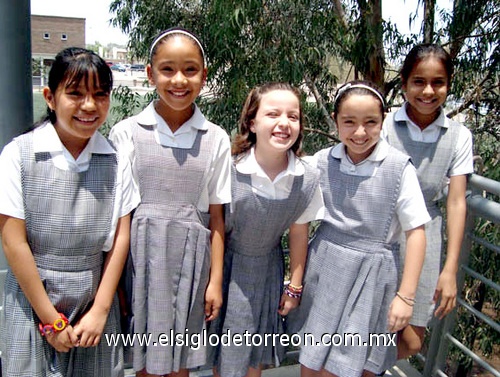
pixel 359 121
pixel 277 121
pixel 81 108
pixel 426 89
pixel 177 70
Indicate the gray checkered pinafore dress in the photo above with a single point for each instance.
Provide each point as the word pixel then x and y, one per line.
pixel 432 161
pixel 253 269
pixel 68 218
pixel 170 249
pixel 352 273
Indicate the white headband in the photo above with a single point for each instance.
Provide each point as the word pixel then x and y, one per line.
pixel 349 86
pixel 176 31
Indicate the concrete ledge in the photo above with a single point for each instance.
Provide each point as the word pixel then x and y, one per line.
pixel 401 369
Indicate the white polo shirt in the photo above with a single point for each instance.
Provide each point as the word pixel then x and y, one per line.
pixel 281 186
pixel 410 206
pixel 218 187
pixel 462 162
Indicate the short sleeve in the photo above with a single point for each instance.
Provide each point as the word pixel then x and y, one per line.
pixel 130 196
pixel 410 208
pixel 11 202
pixel 219 177
pixel 462 162
pixel 315 210
pixel 127 198
pixel 121 136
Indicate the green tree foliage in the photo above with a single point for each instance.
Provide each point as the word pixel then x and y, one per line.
pixel 36 67
pixel 94 47
pixel 247 43
pixel 316 44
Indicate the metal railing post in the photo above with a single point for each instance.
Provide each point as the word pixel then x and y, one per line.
pixel 478 207
pixel 439 345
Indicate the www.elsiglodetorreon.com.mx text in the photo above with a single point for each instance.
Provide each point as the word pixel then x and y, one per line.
pixel 197 340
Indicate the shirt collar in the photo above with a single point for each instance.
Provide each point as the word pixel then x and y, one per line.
pixel 379 153
pixel 402 115
pixel 45 139
pixel 150 117
pixel 249 165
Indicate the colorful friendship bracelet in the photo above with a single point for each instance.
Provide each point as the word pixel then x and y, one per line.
pixel 295 287
pixel 293 291
pixel 291 294
pixel 58 326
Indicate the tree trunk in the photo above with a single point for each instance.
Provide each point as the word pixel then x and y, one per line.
pixel 372 66
pixel 337 4
pixel 429 11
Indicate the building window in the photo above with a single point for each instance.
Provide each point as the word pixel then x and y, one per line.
pixel 64 37
pixel 46 35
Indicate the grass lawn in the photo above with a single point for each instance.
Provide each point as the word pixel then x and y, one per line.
pixel 39 106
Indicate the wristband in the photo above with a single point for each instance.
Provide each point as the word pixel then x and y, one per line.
pixel 58 326
pixel 296 288
pixel 292 294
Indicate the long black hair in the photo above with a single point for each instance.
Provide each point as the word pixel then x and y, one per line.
pixel 423 51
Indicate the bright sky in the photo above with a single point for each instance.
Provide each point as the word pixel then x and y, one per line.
pixel 97 17
pixel 97 27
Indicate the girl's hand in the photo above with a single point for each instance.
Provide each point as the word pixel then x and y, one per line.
pixel 213 301
pixel 287 303
pixel 446 292
pixel 399 315
pixel 64 340
pixel 90 327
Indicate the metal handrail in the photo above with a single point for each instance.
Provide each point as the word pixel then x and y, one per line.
pixel 478 207
pixel 473 356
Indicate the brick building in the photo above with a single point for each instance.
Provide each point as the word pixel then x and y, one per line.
pixel 50 34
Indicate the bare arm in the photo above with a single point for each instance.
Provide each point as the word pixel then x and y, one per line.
pixel 213 294
pixel 456 207
pixel 23 266
pixel 90 327
pixel 297 239
pixel 400 310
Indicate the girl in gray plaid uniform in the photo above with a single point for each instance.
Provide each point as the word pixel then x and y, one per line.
pixel 351 285
pixel 441 150
pixel 181 163
pixel 66 199
pixel 272 190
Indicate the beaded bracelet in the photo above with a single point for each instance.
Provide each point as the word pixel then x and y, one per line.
pixel 292 294
pixel 407 300
pixel 58 326
pixel 296 288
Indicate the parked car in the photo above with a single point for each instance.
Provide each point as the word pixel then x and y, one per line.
pixel 138 67
pixel 117 67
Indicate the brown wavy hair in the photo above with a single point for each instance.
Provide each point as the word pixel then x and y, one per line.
pixel 245 139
